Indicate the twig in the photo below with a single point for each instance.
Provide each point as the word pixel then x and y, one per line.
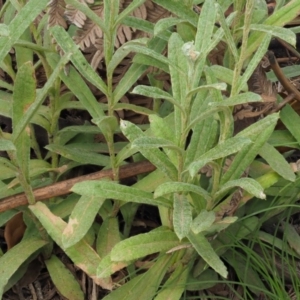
pixel 281 77
pixel 64 187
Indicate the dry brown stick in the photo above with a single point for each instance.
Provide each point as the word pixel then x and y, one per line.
pixel 64 187
pixel 281 77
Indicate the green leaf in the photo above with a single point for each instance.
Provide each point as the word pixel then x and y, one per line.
pixel 144 244
pixel 175 187
pixel 227 32
pixel 135 71
pixel 79 156
pixel 291 120
pixel 146 60
pixel 238 99
pixel 248 184
pixel 107 125
pixel 117 191
pixel 155 156
pixel 63 279
pixel 175 285
pixel 7 215
pixel 6 145
pixel 122 52
pixel 129 9
pixel 136 108
pixel 203 221
pixel 77 58
pixel 89 13
pixel 280 32
pixel 20 23
pixel 108 236
pixel 178 67
pixel 225 75
pixel 154 142
pixel 208 131
pixel 82 254
pixel 81 219
pixel 257 57
pixel 277 162
pixel 282 16
pixel 205 27
pixel 166 23
pixel 179 79
pixel 144 286
pixel 40 96
pixel 11 261
pixel 218 86
pixel 224 149
pixel 78 87
pixel 244 271
pixel 206 251
pixel 179 9
pixel 182 216
pixel 292 236
pixel 259 133
pixel 154 92
pixel 108 267
pixel 24 92
pixel 146 51
pixel 289 71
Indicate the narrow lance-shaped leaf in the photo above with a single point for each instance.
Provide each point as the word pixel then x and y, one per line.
pixel 166 23
pixel 136 70
pixel 260 52
pixel 280 32
pixel 182 215
pixel 218 86
pixel 143 286
pixel 258 132
pixel 11 261
pixel 238 99
pixel 203 221
pixel 154 92
pixel 153 142
pixel 122 52
pixel 291 120
pixel 224 149
pixel 248 184
pixel 79 61
pixel 206 251
pixel 179 9
pixel 113 190
pixel 144 244
pixel 63 279
pixel 40 96
pixel 78 86
pixel 277 162
pixel 128 10
pixel 155 156
pixel 175 187
pixel 205 26
pixel 81 219
pixel 82 254
pixel 227 32
pixel 20 23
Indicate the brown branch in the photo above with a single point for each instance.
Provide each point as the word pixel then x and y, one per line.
pixel 291 89
pixel 64 187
